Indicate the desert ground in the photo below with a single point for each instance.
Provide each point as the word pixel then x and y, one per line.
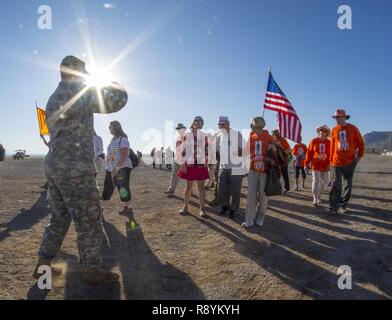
pixel 295 255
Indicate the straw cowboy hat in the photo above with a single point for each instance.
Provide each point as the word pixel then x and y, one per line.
pixel 323 127
pixel 257 123
pixel 341 113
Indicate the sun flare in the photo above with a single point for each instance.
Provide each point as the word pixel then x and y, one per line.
pixel 98 78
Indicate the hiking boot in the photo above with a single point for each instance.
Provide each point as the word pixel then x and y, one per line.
pixel 231 213
pixel 96 275
pixel 223 210
pixel 41 262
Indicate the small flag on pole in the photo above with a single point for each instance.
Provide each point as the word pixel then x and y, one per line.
pixel 43 128
pixel 289 124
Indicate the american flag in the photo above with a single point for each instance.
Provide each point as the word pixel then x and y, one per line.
pixel 289 124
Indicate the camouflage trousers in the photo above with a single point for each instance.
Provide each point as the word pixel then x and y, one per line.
pixel 74 199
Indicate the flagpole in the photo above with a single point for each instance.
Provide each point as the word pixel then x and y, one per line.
pixel 269 71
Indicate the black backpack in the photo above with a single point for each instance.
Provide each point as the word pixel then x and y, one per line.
pixel 134 158
pixel 132 155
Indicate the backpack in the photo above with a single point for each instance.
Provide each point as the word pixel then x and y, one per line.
pixel 134 158
pixel 132 155
pixel 273 186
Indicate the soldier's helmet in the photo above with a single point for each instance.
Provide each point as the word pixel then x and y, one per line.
pixel 71 63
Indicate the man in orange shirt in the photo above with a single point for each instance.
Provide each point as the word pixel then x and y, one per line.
pixel 347 149
pixel 318 156
pixel 299 152
pixel 256 148
pixel 283 166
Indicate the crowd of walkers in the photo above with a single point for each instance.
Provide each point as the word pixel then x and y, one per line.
pixel 224 159
pixel 221 161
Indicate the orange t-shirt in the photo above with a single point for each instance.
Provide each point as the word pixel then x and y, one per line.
pixel 346 141
pixel 299 152
pixel 319 154
pixel 257 147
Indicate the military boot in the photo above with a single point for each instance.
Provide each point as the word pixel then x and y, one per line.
pixel 96 275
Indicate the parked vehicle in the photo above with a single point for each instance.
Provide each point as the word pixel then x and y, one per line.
pixel 20 155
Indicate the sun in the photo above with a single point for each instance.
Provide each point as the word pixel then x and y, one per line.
pixel 98 78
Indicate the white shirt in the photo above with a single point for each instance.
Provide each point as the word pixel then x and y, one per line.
pixel 114 154
pixel 228 144
pixel 98 146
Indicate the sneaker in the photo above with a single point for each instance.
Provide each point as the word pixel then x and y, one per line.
pixel 95 275
pixel 202 213
pixel 315 203
pixel 285 192
pixel 333 210
pixel 296 189
pixel 246 225
pixel 223 210
pixel 260 222
pixel 126 212
pixel 231 213
pixel 344 211
pixel 169 191
pixel 41 262
pixel 183 211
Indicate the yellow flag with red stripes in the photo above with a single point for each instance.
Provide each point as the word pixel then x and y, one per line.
pixel 43 128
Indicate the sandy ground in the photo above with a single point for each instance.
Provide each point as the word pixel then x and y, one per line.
pixel 295 255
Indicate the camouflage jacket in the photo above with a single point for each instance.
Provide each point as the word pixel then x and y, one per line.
pixel 70 119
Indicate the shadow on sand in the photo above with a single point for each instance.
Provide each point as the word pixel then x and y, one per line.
pixel 26 219
pixel 142 275
pixel 294 250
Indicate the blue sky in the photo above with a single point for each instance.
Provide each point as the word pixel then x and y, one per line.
pixel 201 57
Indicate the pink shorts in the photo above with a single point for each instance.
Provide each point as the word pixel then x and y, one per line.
pixel 194 173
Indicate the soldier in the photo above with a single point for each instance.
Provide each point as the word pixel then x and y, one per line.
pixel 70 168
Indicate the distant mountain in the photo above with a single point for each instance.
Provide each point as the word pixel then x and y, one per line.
pixel 379 140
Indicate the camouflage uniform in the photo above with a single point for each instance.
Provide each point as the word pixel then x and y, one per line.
pixel 70 167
